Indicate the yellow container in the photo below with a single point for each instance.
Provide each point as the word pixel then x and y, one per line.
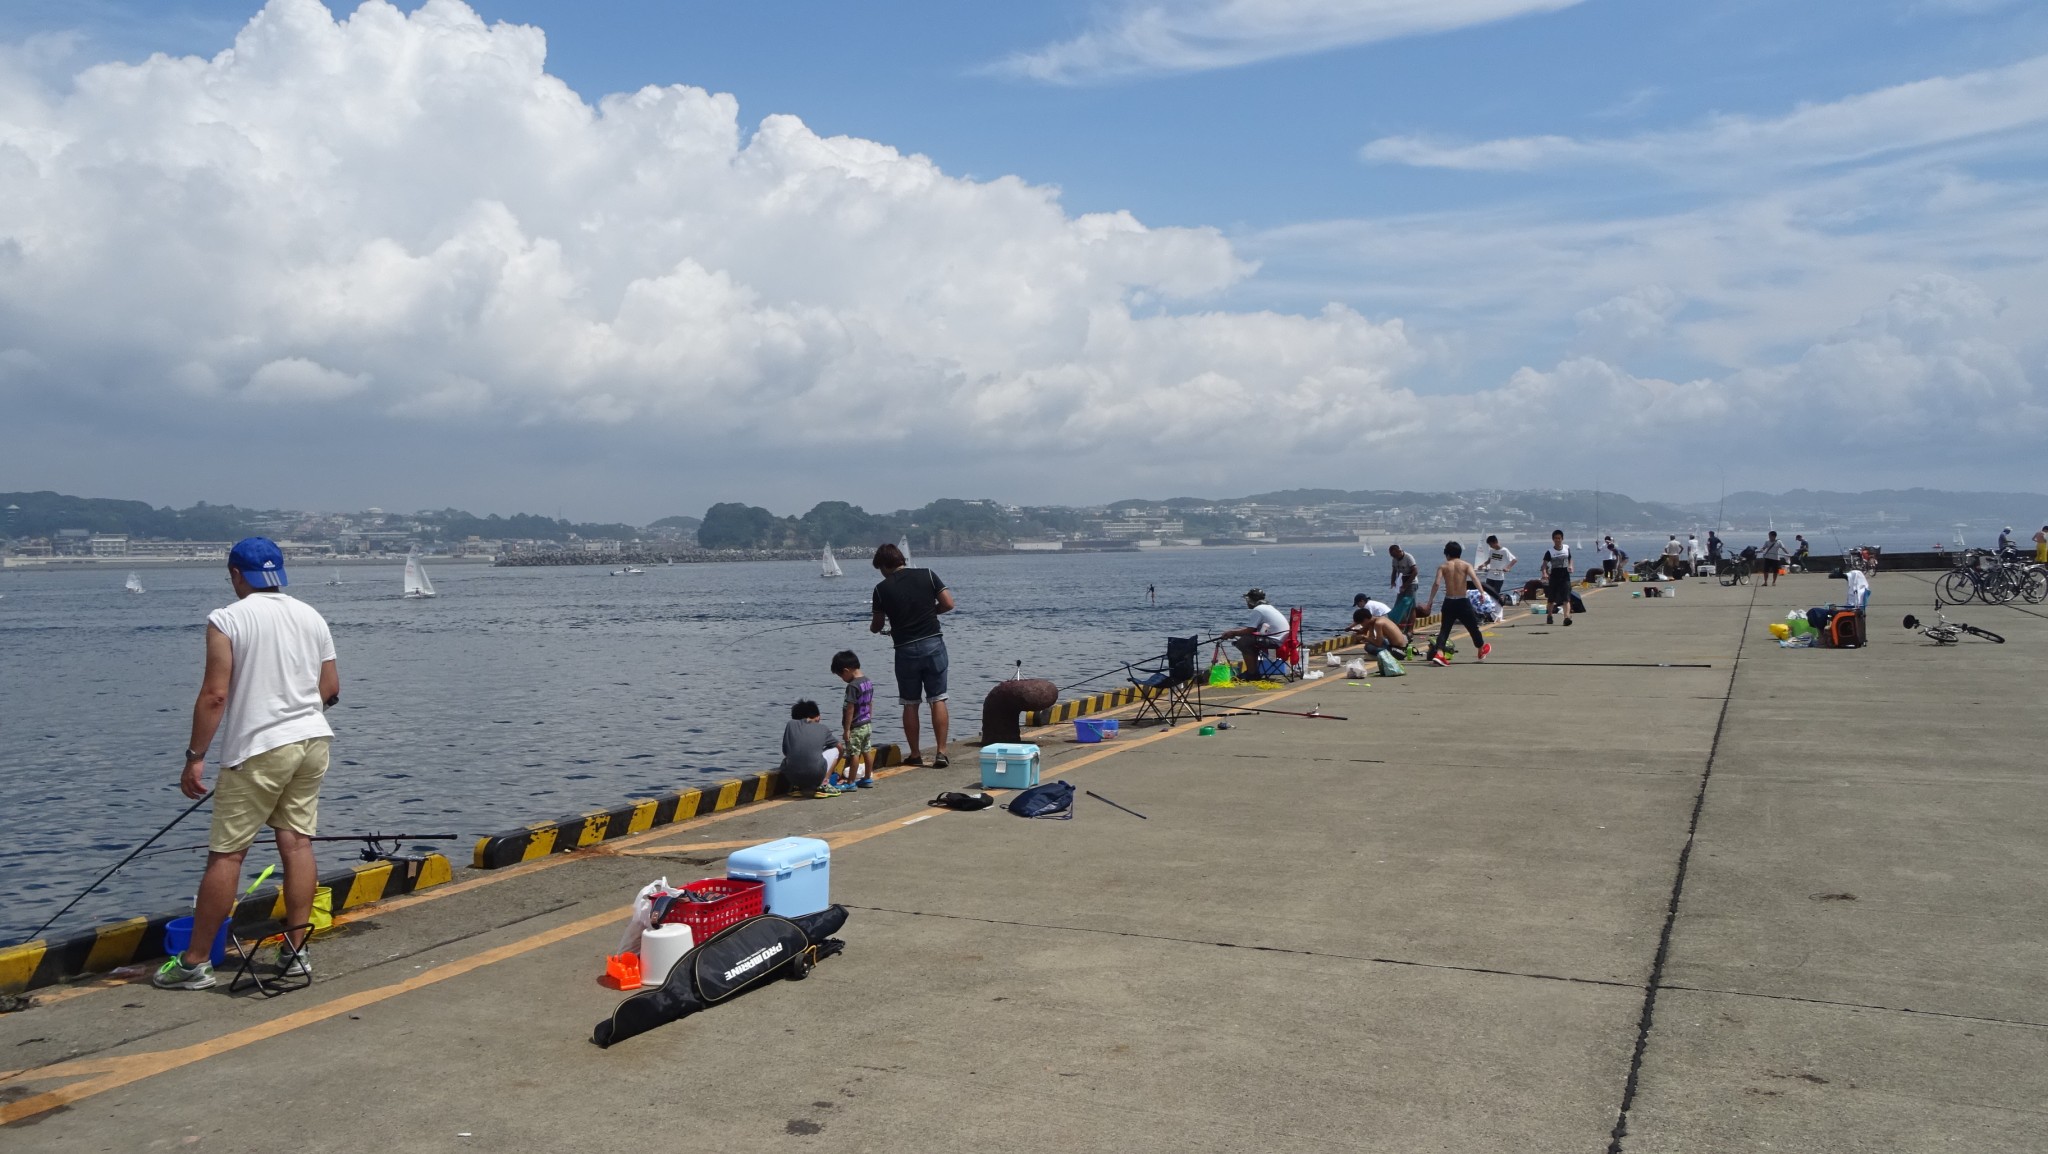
pixel 1780 630
pixel 323 909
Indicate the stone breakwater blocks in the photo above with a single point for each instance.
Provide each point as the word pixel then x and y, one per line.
pixel 795 874
pixel 580 830
pixel 95 951
pixel 1009 766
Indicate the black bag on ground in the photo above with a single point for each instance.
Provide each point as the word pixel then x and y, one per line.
pixel 726 965
pixel 1578 606
pixel 1053 799
pixel 962 799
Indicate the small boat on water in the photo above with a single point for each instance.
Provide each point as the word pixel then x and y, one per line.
pixel 417 584
pixel 1368 551
pixel 629 571
pixel 903 546
pixel 828 565
pixel 134 584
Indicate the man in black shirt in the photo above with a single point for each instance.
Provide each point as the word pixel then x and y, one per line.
pixel 910 601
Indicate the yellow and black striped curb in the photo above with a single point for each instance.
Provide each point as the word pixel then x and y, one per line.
pixel 637 815
pixel 49 961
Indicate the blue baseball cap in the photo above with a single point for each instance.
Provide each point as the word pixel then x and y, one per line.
pixel 259 561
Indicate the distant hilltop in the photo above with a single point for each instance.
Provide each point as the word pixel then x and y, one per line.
pixel 54 524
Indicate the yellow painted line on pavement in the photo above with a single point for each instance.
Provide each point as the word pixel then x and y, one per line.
pixel 114 1072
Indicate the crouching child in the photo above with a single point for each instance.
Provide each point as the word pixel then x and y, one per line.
pixel 808 749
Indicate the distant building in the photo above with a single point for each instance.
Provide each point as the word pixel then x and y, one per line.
pixel 109 544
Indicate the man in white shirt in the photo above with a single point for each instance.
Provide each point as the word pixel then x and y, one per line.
pixel 1495 562
pixel 1672 552
pixel 270 677
pixel 1694 553
pixel 1266 633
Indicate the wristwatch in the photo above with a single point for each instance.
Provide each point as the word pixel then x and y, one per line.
pixel 195 755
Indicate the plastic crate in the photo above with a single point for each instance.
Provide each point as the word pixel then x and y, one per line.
pixel 735 901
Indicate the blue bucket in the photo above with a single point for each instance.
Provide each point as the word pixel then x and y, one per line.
pixel 178 939
pixel 1089 730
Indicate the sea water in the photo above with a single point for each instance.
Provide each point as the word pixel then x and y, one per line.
pixel 524 694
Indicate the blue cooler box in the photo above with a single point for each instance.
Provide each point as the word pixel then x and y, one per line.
pixel 1009 766
pixel 795 874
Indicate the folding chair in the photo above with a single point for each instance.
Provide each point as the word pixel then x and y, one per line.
pixel 1170 687
pixel 270 986
pixel 1290 649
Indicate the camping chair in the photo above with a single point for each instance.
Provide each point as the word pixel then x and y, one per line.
pixel 1290 649
pixel 1169 687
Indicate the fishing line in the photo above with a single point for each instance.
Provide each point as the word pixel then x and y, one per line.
pixel 373 838
pixel 802 625
pixel 117 865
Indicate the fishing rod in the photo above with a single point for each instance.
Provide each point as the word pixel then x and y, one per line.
pixel 802 625
pixel 1125 667
pixel 1125 808
pixel 375 841
pixel 132 854
pixel 1314 712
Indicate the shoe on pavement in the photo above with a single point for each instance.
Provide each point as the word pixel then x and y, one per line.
pixel 865 783
pixel 1567 621
pixel 1483 651
pixel 294 965
pixel 942 762
pixel 174 974
pixel 1439 659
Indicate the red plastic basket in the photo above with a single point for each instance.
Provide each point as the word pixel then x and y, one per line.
pixel 735 900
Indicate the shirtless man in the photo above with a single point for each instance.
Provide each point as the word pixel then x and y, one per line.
pixel 1376 631
pixel 1457 578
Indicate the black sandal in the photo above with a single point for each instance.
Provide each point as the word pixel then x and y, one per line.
pixel 916 759
pixel 941 761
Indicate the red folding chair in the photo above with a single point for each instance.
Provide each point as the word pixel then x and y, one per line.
pixel 1290 649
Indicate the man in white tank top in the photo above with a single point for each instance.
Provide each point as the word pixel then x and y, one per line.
pixel 270 677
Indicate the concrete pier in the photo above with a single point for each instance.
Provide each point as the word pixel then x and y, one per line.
pixel 1649 883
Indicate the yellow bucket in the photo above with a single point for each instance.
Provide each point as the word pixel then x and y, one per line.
pixel 323 909
pixel 1780 630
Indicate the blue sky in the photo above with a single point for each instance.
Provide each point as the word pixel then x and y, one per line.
pixel 1690 214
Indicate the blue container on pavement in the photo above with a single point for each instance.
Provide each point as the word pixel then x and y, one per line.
pixel 1005 766
pixel 178 939
pixel 795 874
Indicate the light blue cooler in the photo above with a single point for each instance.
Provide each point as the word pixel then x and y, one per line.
pixel 1005 766
pixel 795 874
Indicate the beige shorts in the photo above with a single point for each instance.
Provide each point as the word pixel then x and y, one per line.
pixel 279 788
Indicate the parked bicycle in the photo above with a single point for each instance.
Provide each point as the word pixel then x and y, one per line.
pixel 1736 570
pixel 1862 557
pixel 1942 631
pixel 1994 578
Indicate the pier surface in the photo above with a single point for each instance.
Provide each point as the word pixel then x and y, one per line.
pixel 1652 870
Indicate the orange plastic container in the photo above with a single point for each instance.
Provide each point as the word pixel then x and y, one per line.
pixel 623 970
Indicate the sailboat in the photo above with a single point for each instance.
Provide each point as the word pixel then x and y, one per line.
pixel 134 584
pixel 416 582
pixel 903 546
pixel 1367 551
pixel 828 565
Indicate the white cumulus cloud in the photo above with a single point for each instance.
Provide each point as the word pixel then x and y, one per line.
pixel 408 214
pixel 1144 37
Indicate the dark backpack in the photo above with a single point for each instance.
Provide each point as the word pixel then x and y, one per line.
pixel 1054 799
pixel 969 799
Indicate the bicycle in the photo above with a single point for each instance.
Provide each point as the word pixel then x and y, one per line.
pixel 1993 584
pixel 1942 631
pixel 1864 557
pixel 1735 570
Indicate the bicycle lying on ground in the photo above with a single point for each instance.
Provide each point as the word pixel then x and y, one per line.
pixel 1945 632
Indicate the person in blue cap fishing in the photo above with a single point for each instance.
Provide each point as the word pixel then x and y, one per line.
pixel 270 678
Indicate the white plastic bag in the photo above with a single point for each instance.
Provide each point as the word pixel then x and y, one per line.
pixel 642 916
pixel 1335 661
pixel 1312 675
pixel 1355 669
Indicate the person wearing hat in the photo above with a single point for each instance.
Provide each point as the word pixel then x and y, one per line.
pixel 1266 633
pixel 2005 539
pixel 270 678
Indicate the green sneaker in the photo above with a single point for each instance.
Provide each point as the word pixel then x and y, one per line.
pixel 174 974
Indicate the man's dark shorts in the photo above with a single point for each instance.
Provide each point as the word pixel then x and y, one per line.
pixel 921 670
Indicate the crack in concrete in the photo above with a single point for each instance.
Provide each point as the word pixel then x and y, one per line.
pixel 2020 1022
pixel 1306 953
pixel 1663 955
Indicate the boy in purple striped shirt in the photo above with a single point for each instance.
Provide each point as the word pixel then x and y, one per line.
pixel 856 723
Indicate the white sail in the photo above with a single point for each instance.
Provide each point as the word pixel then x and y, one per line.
pixel 903 545
pixel 829 565
pixel 416 581
pixel 134 584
